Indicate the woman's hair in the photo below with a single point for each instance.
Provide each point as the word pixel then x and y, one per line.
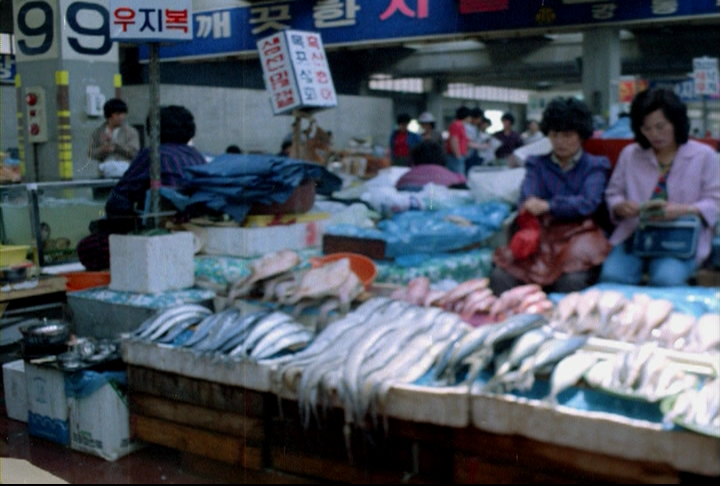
pixel 669 103
pixel 427 152
pixel 403 119
pixel 177 124
pixel 567 115
pixel 462 113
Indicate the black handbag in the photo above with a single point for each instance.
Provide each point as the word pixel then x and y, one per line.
pixel 677 238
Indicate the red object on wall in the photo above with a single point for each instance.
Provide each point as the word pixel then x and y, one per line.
pixel 477 6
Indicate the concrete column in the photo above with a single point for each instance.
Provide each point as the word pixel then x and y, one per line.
pixel 601 69
pixel 435 104
pixel 64 48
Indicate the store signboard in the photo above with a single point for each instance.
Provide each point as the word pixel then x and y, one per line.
pixel 151 20
pixel 684 88
pixel 7 69
pixel 705 75
pixel 296 71
pixel 230 27
pixel 67 29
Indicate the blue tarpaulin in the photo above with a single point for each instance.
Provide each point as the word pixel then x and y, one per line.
pixel 233 183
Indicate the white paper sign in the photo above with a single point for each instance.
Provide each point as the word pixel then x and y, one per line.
pixel 151 20
pixel 296 71
pixel 705 74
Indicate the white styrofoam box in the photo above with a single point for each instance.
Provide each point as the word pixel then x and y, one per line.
pixel 47 403
pixel 100 423
pixel 15 387
pixel 152 264
pixel 253 242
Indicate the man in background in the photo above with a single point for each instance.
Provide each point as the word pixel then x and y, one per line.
pixel 114 143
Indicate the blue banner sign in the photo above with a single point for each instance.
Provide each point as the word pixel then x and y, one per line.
pixel 683 87
pixel 221 27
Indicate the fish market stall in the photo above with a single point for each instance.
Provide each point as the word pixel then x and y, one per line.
pixel 394 389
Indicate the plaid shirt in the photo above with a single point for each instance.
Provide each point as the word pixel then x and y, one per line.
pixel 131 189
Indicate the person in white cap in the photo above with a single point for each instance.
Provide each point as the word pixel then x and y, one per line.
pixel 427 122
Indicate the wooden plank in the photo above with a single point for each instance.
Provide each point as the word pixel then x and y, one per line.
pixel 198 392
pixel 227 423
pixel 232 473
pixel 45 286
pixel 542 459
pixel 339 471
pixel 231 450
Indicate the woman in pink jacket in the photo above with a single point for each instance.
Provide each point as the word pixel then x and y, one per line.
pixel 680 176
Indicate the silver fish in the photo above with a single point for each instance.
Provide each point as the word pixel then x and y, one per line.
pixel 217 334
pixel 245 325
pixel 203 328
pixel 568 372
pixel 549 353
pixel 289 342
pixel 524 346
pixel 185 319
pixel 151 324
pixel 262 327
pixel 273 336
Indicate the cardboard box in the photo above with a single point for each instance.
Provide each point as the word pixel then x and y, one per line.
pixel 254 242
pixel 47 403
pixel 100 423
pixel 15 387
pixel 152 264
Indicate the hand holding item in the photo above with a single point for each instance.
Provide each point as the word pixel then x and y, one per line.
pixel 627 209
pixel 536 206
pixel 666 211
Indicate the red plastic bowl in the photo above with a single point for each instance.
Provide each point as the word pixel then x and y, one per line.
pixel 363 267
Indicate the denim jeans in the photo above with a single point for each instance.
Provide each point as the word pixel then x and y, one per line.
pixel 623 267
pixel 455 164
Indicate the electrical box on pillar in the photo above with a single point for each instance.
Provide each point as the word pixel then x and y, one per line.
pixel 36 106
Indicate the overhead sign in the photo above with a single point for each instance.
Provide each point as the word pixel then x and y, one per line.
pixel 227 27
pixel 684 88
pixel 705 75
pixel 151 20
pixel 296 71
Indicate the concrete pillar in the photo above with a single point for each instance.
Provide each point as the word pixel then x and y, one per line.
pixel 601 69
pixel 63 48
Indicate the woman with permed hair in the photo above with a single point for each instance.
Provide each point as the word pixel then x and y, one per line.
pixel 558 244
pixel 663 176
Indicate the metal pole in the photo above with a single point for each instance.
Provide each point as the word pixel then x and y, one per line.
pixel 155 177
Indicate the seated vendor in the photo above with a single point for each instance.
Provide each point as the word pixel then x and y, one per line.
pixel 558 245
pixel 128 197
pixel 427 162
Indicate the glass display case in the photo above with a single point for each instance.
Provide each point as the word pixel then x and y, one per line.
pixel 51 217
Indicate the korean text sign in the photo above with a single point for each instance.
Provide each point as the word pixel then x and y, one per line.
pixel 151 20
pixel 705 73
pixel 296 71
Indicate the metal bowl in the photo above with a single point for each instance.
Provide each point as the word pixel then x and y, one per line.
pixel 13 275
pixel 45 333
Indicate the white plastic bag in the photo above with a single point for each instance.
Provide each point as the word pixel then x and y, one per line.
pixel 113 169
pixel 496 183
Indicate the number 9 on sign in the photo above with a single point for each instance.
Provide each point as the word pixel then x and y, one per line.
pixel 83 28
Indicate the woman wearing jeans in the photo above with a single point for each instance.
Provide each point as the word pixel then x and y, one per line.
pixel 680 176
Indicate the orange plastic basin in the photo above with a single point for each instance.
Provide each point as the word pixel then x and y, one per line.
pixel 361 265
pixel 86 280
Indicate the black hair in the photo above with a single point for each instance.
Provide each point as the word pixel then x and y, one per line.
pixel 669 103
pixel 114 105
pixel 462 113
pixel 403 119
pixel 476 113
pixel 509 117
pixel 567 115
pixel 233 149
pixel 177 124
pixel 284 146
pixel 427 152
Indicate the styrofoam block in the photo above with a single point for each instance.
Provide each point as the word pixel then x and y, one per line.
pixel 152 264
pixel 15 386
pixel 253 242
